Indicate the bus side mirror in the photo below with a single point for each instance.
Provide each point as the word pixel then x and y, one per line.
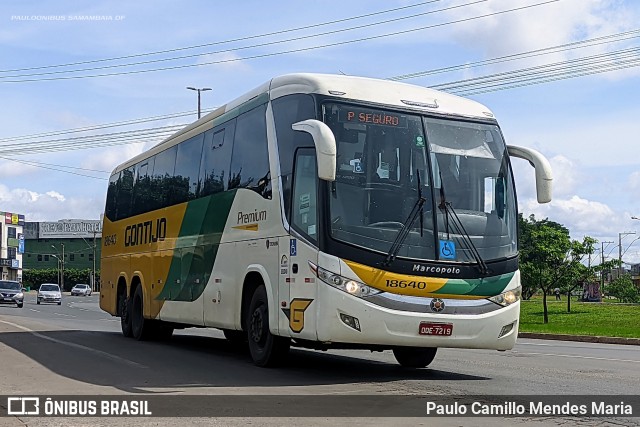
pixel 325 144
pixel 544 176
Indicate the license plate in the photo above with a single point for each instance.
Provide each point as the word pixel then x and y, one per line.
pixel 8 299
pixel 427 328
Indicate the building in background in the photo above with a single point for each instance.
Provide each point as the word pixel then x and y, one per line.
pixel 65 244
pixel 11 246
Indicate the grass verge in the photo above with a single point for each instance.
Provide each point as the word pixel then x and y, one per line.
pixel 592 319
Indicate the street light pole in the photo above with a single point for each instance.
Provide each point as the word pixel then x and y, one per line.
pixel 93 285
pixel 93 272
pixel 62 271
pixel 61 262
pixel 199 90
pixel 58 258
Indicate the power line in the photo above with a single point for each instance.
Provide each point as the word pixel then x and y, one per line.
pixel 305 49
pixel 524 55
pixel 595 64
pixel 51 164
pixel 554 49
pixel 103 126
pixel 278 32
pixel 54 169
pixel 271 43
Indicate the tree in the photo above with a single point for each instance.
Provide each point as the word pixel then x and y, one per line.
pixel 548 257
pixel 577 272
pixel 624 290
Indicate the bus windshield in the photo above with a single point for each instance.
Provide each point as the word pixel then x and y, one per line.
pixel 463 174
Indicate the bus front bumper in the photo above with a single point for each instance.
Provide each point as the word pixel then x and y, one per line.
pixel 382 326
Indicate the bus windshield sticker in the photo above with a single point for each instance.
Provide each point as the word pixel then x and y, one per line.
pixel 447 249
pixel 419 141
pixel 357 165
pixel 305 203
pixel 383 170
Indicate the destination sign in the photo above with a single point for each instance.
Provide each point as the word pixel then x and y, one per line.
pixel 372 117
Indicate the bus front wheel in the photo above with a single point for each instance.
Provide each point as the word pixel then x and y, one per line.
pixel 266 349
pixel 414 357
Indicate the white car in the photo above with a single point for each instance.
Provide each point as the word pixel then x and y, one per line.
pixel 81 289
pixel 49 292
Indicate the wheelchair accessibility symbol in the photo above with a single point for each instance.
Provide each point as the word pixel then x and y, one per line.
pixel 447 249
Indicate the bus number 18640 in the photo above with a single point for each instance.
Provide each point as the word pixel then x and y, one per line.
pixel 406 284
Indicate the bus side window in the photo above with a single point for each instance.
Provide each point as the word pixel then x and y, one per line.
pixel 250 158
pixel 142 187
pixel 163 169
pixel 216 159
pixel 112 197
pixel 187 169
pixel 304 209
pixel 125 193
pixel 287 110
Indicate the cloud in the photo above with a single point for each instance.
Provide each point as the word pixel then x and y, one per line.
pixel 634 182
pixel 48 206
pixel 540 26
pixel 499 34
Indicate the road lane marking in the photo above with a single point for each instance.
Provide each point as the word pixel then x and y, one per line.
pixel 37 311
pixel 62 314
pixel 571 356
pixel 77 346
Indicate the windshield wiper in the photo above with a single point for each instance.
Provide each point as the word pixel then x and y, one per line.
pixel 449 212
pixel 406 226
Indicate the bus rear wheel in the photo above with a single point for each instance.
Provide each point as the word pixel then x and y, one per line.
pixel 141 328
pixel 124 308
pixel 414 357
pixel 266 349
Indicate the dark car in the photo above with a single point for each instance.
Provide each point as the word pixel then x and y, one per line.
pixel 11 293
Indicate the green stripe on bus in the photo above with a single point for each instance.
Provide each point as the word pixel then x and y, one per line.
pixel 197 246
pixel 486 287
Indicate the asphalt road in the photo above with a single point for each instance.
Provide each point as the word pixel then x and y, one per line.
pixel 76 349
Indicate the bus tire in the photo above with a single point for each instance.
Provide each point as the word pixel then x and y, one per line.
pixel 125 314
pixel 141 328
pixel 414 357
pixel 266 349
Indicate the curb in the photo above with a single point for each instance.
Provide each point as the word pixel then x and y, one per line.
pixel 580 338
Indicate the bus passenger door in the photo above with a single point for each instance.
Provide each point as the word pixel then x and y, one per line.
pixel 302 304
pixel 284 276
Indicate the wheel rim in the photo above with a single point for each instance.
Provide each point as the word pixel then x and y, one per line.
pixel 257 325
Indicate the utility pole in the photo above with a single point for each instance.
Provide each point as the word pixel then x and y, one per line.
pixel 93 274
pixel 62 271
pixel 620 235
pixel 602 263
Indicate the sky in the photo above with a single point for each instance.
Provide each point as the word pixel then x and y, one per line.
pixel 576 103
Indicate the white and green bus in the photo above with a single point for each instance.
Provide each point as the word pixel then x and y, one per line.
pixel 323 211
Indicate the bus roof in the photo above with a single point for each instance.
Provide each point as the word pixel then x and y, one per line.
pixel 376 91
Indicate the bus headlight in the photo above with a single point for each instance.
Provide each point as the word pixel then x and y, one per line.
pixel 508 297
pixel 349 286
